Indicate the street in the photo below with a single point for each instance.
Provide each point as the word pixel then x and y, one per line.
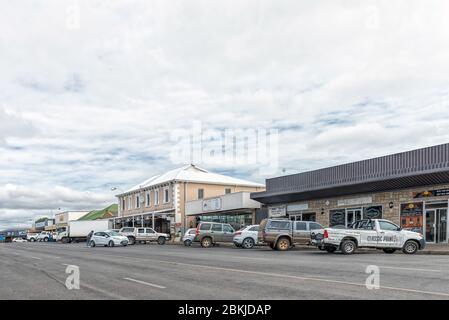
pixel 38 271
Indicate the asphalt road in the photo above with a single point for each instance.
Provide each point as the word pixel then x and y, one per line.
pixel 38 271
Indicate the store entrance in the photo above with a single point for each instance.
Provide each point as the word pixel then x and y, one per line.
pixel 306 216
pixel 436 225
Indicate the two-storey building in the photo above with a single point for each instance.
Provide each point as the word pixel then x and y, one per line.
pixel 160 202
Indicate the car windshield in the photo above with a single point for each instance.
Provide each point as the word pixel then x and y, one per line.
pixel 113 233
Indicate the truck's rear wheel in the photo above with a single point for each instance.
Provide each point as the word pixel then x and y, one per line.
pixel 348 247
pixel 410 247
pixel 283 244
pixel 389 251
pixel 206 242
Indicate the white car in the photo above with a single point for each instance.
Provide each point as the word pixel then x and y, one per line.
pixel 375 233
pixel 188 237
pixel 246 237
pixel 108 239
pixel 19 240
pixel 44 236
pixel 32 237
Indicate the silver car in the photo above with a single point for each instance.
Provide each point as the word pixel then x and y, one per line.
pixel 188 237
pixel 246 237
pixel 108 239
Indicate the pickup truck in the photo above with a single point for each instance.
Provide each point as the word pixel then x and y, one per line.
pixel 32 237
pixel 143 235
pixel 370 233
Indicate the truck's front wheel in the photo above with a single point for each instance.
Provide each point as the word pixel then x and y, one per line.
pixel 410 247
pixel 283 244
pixel 348 247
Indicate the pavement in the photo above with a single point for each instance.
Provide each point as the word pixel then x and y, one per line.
pixel 38 271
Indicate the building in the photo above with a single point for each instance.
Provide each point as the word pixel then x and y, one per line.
pixel 9 234
pixel 160 202
pixel 62 219
pixel 411 189
pixel 237 209
pixel 106 213
pixel 43 224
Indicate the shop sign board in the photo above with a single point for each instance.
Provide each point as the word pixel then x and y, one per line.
pixel 277 211
pixel 297 207
pixel 432 193
pixel 212 204
pixel 355 201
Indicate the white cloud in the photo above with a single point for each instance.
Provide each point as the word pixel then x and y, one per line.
pixel 92 107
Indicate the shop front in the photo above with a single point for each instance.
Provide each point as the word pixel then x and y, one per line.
pixel 411 189
pixel 159 221
pixel 236 209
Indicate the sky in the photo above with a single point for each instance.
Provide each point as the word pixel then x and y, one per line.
pixel 96 94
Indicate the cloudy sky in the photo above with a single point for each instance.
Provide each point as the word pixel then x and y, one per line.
pixel 91 91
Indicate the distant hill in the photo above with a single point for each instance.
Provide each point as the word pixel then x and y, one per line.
pixel 109 212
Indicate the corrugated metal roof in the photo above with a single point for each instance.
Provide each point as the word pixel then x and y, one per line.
pixel 425 166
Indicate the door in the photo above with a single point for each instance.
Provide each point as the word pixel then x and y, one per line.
pixel 300 233
pixel 353 215
pixel 99 238
pixel 389 235
pixel 441 226
pixel 366 229
pixel 430 225
pixel 228 233
pixel 150 234
pixel 217 232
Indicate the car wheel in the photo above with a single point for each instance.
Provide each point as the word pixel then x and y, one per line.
pixel 161 240
pixel 33 240
pixel 92 244
pixel 283 244
pixel 45 239
pixel 132 240
pixel 389 250
pixel 348 247
pixel 248 243
pixel 111 244
pixel 410 247
pixel 206 242
pixel 187 243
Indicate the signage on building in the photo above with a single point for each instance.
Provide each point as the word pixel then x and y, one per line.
pixel 355 201
pixel 41 224
pixel 212 204
pixel 277 211
pixel 298 207
pixel 2 238
pixel 432 193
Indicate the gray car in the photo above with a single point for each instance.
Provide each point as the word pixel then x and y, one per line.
pixel 188 237
pixel 211 233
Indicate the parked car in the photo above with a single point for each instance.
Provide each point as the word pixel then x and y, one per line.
pixel 144 235
pixel 375 233
pixel 77 231
pixel 44 236
pixel 282 234
pixel 32 237
pixel 20 240
pixel 211 233
pixel 247 237
pixel 188 237
pixel 108 239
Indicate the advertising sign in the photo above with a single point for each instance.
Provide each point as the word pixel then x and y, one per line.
pixel 212 204
pixel 432 193
pixel 277 211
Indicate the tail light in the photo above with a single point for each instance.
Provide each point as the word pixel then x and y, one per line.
pixel 326 234
pixel 238 233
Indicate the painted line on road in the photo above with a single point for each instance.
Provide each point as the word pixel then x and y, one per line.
pixel 145 283
pixel 411 269
pixel 36 258
pixel 442 294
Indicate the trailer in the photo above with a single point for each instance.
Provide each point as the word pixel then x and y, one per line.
pixel 77 231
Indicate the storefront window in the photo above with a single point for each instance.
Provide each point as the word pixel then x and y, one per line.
pixel 373 212
pixel 412 216
pixel 237 221
pixel 337 217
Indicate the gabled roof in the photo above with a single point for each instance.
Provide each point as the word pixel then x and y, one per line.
pixel 192 173
pixel 109 212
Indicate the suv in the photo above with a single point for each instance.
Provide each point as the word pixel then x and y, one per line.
pixel 282 234
pixel 44 236
pixel 143 235
pixel 209 233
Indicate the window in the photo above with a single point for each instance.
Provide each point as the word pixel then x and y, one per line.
pixel 166 195
pixel 315 226
pixel 123 204
pixel 228 229
pixel 137 201
pixel 256 228
pixel 228 190
pixel 127 230
pixel 150 230
pixel 301 226
pixel 148 199
pixel 130 198
pixel 337 217
pixel 388 226
pixel 205 226
pixel 217 227
pixel 200 194
pixel 373 212
pixel 141 231
pixel 156 197
pixel 193 231
pixel 282 225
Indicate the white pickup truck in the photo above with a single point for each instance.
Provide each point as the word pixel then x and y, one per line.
pixel 143 235
pixel 375 233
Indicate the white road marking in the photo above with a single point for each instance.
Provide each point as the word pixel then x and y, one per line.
pixel 36 258
pixel 145 283
pixel 411 269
